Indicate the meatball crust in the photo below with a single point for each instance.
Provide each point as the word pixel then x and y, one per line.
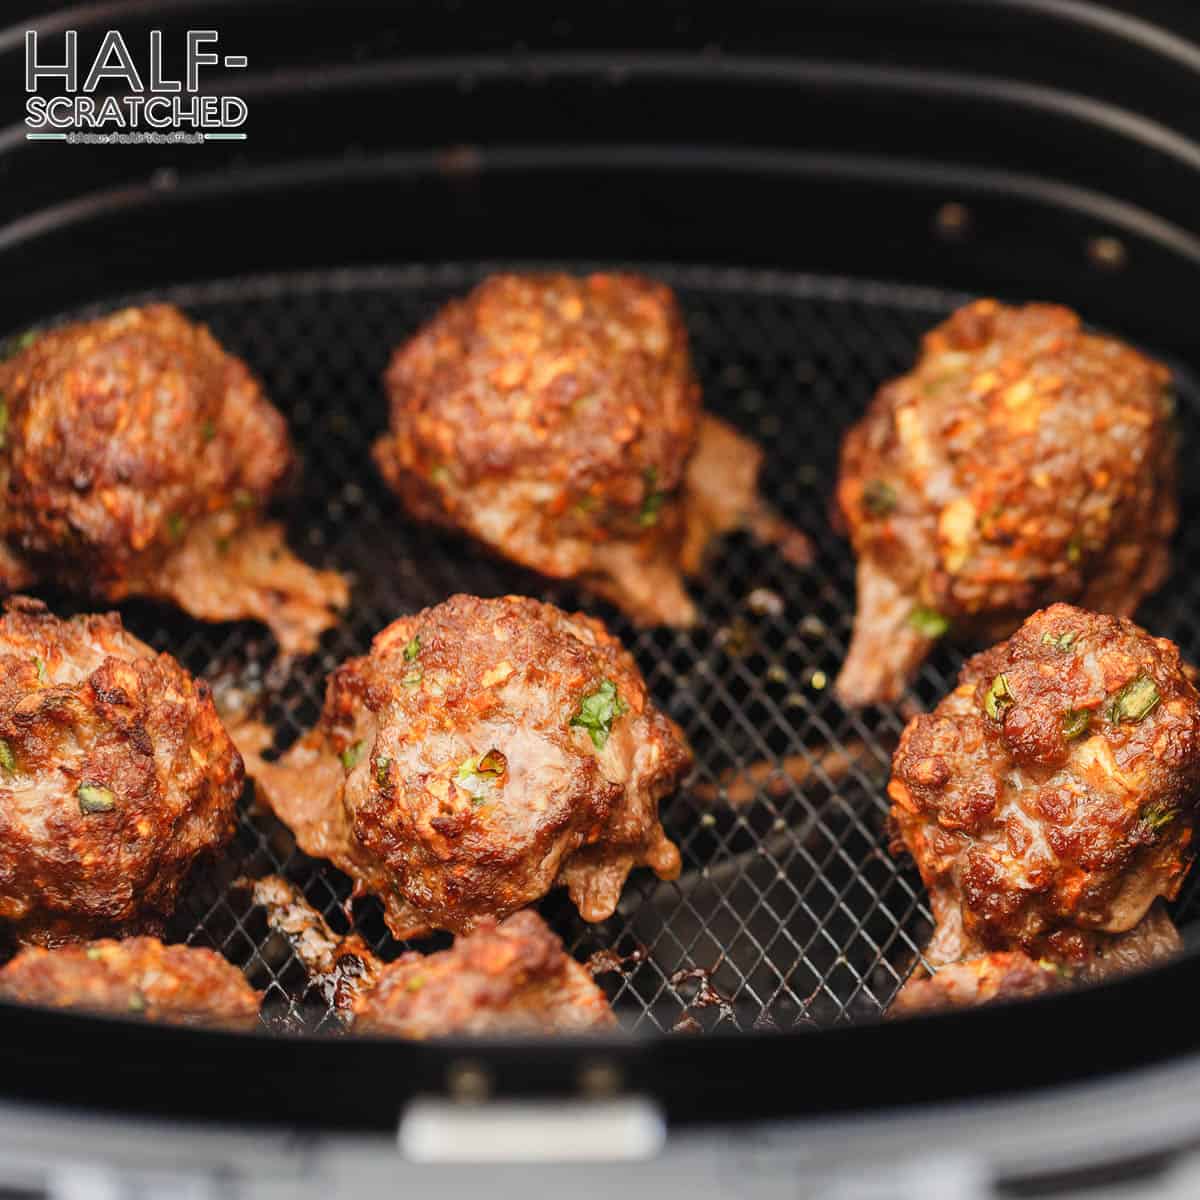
pixel 1021 461
pixel 557 420
pixel 508 978
pixel 116 774
pixel 547 416
pixel 132 441
pixel 139 977
pixel 483 752
pixel 1052 796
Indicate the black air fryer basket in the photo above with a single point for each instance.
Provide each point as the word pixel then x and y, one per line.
pixel 820 183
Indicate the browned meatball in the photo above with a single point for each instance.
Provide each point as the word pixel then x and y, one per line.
pixel 1052 797
pixel 135 457
pixel 1021 461
pixel 139 977
pixel 484 752
pixel 115 775
pixel 506 978
pixel 558 421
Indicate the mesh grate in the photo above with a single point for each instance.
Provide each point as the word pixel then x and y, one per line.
pixel 789 911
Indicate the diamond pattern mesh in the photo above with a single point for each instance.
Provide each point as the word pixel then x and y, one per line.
pixel 790 912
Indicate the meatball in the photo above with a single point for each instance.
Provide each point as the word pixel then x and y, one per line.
pixel 1022 461
pixel 140 977
pixel 115 775
pixel 1052 797
pixel 136 457
pixel 558 421
pixel 508 978
pixel 484 752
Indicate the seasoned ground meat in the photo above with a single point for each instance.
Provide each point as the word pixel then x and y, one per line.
pixel 484 752
pixel 139 977
pixel 558 421
pixel 135 459
pixel 508 978
pixel 1052 797
pixel 1021 461
pixel 115 775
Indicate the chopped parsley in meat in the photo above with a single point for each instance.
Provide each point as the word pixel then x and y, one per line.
pixel 597 712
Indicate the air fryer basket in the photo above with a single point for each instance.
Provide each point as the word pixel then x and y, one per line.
pixel 789 909
pixel 818 198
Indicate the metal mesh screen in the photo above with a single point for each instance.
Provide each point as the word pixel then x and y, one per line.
pixel 790 912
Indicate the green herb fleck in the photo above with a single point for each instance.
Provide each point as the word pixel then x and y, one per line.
pixel 243 500
pixel 14 345
pixel 222 544
pixel 491 765
pixel 928 622
pixel 653 501
pixel 1134 701
pixel 208 430
pixel 1058 969
pixel 1075 549
pixel 1157 815
pixel 40 667
pixel 1075 723
pixel 95 953
pixel 95 798
pixel 413 648
pixel 879 497
pixel 999 698
pixel 8 760
pixel 1063 641
pixel 598 710
pixel 440 474
pixel 176 525
pixel 381 770
pixel 413 678
pixel 415 984
pixel 351 755
pixel 476 775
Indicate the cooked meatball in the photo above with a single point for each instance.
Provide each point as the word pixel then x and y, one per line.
pixel 139 977
pixel 558 421
pixel 484 752
pixel 115 775
pixel 506 978
pixel 1021 461
pixel 136 457
pixel 1052 797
